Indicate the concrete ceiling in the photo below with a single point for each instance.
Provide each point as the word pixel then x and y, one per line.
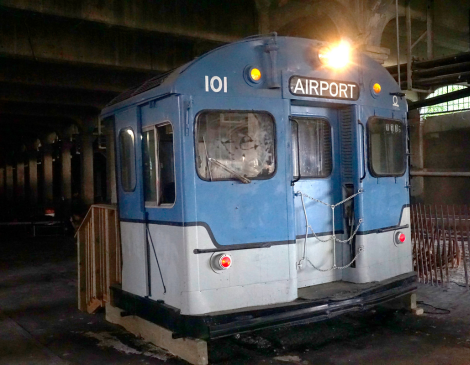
pixel 61 61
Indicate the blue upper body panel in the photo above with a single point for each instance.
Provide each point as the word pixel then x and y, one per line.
pixel 265 210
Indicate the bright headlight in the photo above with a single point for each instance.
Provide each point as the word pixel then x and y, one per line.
pixel 337 56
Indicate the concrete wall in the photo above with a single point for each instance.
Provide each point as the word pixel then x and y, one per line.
pixel 446 141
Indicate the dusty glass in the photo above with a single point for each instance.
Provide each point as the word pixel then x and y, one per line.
pixel 387 149
pixel 235 145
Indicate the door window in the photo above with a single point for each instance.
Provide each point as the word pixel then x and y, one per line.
pixel 159 165
pixel 311 140
pixel 387 150
pixel 235 143
pixel 127 149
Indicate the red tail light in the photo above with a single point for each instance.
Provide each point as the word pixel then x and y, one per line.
pixel 400 237
pixel 225 261
pixel 220 262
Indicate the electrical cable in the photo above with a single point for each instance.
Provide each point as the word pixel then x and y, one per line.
pixel 445 311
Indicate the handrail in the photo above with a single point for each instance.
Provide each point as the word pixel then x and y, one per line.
pixel 85 220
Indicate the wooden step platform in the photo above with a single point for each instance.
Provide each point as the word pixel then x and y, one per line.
pixel 193 351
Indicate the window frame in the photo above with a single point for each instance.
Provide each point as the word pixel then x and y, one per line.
pixel 293 118
pixel 154 203
pixel 121 131
pixel 369 147
pixel 196 119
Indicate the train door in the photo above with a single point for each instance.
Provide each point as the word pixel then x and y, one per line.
pixel 130 198
pixel 316 186
pixel 162 175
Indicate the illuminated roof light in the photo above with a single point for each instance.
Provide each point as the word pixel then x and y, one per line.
pixel 335 57
pixel 324 55
pixel 255 74
pixel 377 88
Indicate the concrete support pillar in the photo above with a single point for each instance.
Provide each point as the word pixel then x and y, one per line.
pixel 33 177
pixel 66 189
pixel 263 15
pixel 9 183
pixel 87 188
pixel 48 191
pixel 20 188
pixel 409 58
pixel 429 28
pixel 417 154
pixel 2 184
pixel 110 165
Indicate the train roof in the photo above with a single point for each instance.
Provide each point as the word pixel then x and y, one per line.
pixel 294 56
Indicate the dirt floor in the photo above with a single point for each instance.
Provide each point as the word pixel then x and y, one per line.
pixel 39 324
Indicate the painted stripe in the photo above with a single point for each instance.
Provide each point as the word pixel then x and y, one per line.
pixel 251 245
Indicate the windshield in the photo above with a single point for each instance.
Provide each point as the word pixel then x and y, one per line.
pixel 387 150
pixel 241 141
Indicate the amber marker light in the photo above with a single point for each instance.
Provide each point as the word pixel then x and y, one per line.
pixel 335 57
pixel 255 74
pixel 377 88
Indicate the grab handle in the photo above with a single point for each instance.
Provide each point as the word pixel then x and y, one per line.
pixel 363 148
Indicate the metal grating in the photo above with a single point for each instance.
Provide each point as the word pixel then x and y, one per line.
pixel 147 85
pixel 346 146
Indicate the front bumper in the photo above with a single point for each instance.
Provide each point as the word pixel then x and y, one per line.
pixel 221 324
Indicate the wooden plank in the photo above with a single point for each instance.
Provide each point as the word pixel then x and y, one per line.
pixel 81 265
pixel 93 305
pixel 99 256
pixel 193 351
pixel 97 269
pixel 119 248
pixel 112 248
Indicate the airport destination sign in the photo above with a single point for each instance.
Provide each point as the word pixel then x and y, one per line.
pixel 320 88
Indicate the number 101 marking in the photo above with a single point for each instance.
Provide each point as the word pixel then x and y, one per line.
pixel 216 84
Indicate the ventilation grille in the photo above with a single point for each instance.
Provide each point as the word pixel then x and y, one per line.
pixel 147 85
pixel 346 146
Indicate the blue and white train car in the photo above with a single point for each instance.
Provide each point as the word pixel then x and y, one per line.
pixel 264 183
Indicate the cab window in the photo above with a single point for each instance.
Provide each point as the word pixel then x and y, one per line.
pixel 230 143
pixel 387 147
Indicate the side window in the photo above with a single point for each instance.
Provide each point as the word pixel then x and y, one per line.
pixel 127 148
pixel 387 148
pixel 230 143
pixel 311 139
pixel 159 165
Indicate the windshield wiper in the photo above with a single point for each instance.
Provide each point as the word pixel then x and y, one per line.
pixel 242 178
